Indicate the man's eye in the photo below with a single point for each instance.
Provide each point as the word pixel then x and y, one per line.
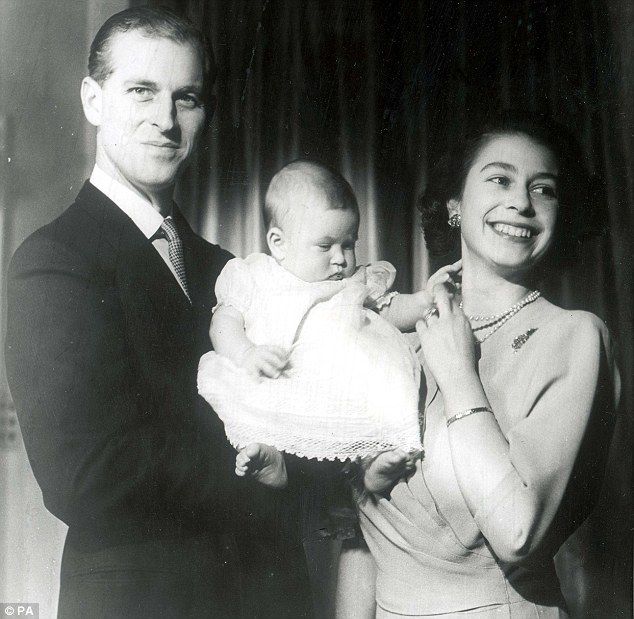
pixel 141 93
pixel 189 101
pixel 500 180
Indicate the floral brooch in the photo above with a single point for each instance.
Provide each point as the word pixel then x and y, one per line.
pixel 520 340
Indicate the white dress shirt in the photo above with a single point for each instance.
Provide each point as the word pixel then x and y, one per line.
pixel 140 210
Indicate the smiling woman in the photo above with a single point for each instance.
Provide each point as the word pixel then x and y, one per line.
pixel 547 172
pixel 509 204
pixel 521 395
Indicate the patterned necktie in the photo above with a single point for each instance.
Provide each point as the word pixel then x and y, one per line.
pixel 175 248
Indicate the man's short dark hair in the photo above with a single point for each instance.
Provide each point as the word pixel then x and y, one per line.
pixel 153 23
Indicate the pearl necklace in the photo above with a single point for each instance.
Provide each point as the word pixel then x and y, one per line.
pixel 495 321
pixel 529 298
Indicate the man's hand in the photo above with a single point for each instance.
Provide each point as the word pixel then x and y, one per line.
pixel 263 463
pixel 267 361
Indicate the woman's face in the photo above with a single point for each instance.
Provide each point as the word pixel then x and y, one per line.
pixel 509 205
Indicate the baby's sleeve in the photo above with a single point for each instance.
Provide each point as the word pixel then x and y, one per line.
pixel 234 286
pixel 380 278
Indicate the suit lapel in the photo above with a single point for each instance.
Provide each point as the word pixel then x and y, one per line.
pixel 142 275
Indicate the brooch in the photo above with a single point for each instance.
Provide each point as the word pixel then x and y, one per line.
pixel 520 340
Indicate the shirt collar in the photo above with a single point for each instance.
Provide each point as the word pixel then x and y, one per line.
pixel 138 209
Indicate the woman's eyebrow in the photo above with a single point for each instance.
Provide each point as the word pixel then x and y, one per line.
pixel 500 164
pixel 549 175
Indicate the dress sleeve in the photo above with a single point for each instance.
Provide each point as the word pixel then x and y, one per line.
pixel 380 278
pixel 558 451
pixel 234 286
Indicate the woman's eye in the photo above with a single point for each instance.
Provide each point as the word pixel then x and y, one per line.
pixel 324 246
pixel 500 180
pixel 545 190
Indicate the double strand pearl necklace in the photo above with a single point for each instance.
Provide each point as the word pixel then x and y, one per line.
pixel 494 321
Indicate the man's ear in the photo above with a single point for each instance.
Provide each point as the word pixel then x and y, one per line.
pixel 276 243
pixel 91 100
pixel 454 207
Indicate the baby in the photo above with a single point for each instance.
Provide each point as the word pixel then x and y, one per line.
pixel 309 355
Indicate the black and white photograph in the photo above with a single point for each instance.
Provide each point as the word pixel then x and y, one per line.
pixel 426 411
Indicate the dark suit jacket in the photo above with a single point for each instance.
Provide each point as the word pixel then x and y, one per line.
pixel 102 348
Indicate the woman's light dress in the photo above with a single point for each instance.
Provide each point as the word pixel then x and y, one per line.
pixel 550 378
pixel 351 386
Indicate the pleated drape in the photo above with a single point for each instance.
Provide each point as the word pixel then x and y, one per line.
pixel 380 90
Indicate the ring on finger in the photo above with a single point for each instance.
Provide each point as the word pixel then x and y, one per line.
pixel 432 311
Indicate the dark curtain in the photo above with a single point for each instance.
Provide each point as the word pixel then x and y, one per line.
pixel 380 90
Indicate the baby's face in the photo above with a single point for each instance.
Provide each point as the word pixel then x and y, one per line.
pixel 320 243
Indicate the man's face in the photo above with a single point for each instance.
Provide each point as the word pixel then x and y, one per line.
pixel 151 111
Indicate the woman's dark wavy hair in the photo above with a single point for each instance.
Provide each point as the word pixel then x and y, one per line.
pixel 577 204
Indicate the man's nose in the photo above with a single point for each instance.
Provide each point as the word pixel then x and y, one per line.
pixel 164 113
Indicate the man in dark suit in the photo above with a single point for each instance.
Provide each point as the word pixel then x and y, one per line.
pixel 109 311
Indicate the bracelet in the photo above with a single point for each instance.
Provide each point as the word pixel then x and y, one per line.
pixel 469 411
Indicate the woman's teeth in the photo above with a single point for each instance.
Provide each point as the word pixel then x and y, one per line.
pixel 513 230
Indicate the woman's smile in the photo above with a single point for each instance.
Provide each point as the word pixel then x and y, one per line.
pixel 511 191
pixel 513 232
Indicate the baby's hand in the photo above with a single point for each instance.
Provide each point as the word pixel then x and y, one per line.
pixel 266 361
pixel 263 463
pixel 386 468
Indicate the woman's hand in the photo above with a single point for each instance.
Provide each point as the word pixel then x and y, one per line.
pixel 449 348
pixel 449 276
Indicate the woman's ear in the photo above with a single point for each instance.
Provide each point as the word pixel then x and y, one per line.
pixel 454 207
pixel 91 100
pixel 276 243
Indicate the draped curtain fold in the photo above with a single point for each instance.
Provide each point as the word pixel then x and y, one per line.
pixel 380 90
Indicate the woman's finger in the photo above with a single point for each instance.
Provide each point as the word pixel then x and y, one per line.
pixel 442 300
pixel 456 267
